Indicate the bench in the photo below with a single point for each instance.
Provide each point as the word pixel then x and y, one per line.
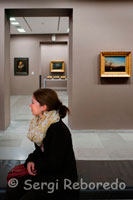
pixel 92 173
pixel 106 171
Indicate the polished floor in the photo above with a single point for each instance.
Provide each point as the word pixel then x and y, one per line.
pixel 88 144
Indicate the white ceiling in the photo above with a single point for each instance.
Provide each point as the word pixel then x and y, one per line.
pixel 41 25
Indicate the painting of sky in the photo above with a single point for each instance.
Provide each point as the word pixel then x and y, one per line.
pixel 115 61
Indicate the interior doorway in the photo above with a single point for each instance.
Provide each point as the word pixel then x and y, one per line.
pixel 42 13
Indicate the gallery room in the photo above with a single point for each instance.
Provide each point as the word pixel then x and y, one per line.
pixel 81 50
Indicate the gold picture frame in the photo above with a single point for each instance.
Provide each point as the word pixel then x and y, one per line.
pixel 115 64
pixel 57 66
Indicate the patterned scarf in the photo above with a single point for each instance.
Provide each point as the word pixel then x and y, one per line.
pixel 39 126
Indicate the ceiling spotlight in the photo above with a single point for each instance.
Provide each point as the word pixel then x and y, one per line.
pixel 53 38
pixel 12 19
pixel 21 30
pixel 14 23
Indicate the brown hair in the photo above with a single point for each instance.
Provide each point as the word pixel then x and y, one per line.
pixel 49 97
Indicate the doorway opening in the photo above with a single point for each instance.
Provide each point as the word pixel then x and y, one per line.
pixel 39 75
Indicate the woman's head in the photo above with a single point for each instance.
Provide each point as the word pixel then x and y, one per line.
pixel 48 100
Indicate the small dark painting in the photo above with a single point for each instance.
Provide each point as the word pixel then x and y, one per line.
pixel 57 65
pixel 21 66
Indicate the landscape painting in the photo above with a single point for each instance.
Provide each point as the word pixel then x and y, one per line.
pixel 115 64
pixel 57 65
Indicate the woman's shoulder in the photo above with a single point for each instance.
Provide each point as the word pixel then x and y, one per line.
pixel 59 127
pixel 58 132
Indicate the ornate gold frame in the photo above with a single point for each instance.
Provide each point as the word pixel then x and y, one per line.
pixel 126 73
pixel 57 70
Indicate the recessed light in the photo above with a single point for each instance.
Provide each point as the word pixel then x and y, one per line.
pixel 14 23
pixel 21 30
pixel 53 38
pixel 12 19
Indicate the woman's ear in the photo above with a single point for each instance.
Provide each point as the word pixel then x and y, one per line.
pixel 44 108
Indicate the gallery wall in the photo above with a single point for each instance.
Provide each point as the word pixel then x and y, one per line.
pixel 95 103
pixel 101 103
pixel 39 56
pixel 4 71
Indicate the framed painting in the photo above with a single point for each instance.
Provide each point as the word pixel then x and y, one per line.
pixel 21 66
pixel 57 66
pixel 115 64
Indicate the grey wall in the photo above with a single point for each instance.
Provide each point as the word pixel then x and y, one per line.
pixel 39 57
pixel 96 26
pixel 101 103
pixel 4 71
pixel 7 74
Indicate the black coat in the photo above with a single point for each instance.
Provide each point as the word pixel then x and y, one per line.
pixel 58 160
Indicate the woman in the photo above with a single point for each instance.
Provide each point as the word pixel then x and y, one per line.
pixel 52 167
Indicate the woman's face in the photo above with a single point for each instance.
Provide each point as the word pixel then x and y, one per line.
pixel 36 108
pixel 20 63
